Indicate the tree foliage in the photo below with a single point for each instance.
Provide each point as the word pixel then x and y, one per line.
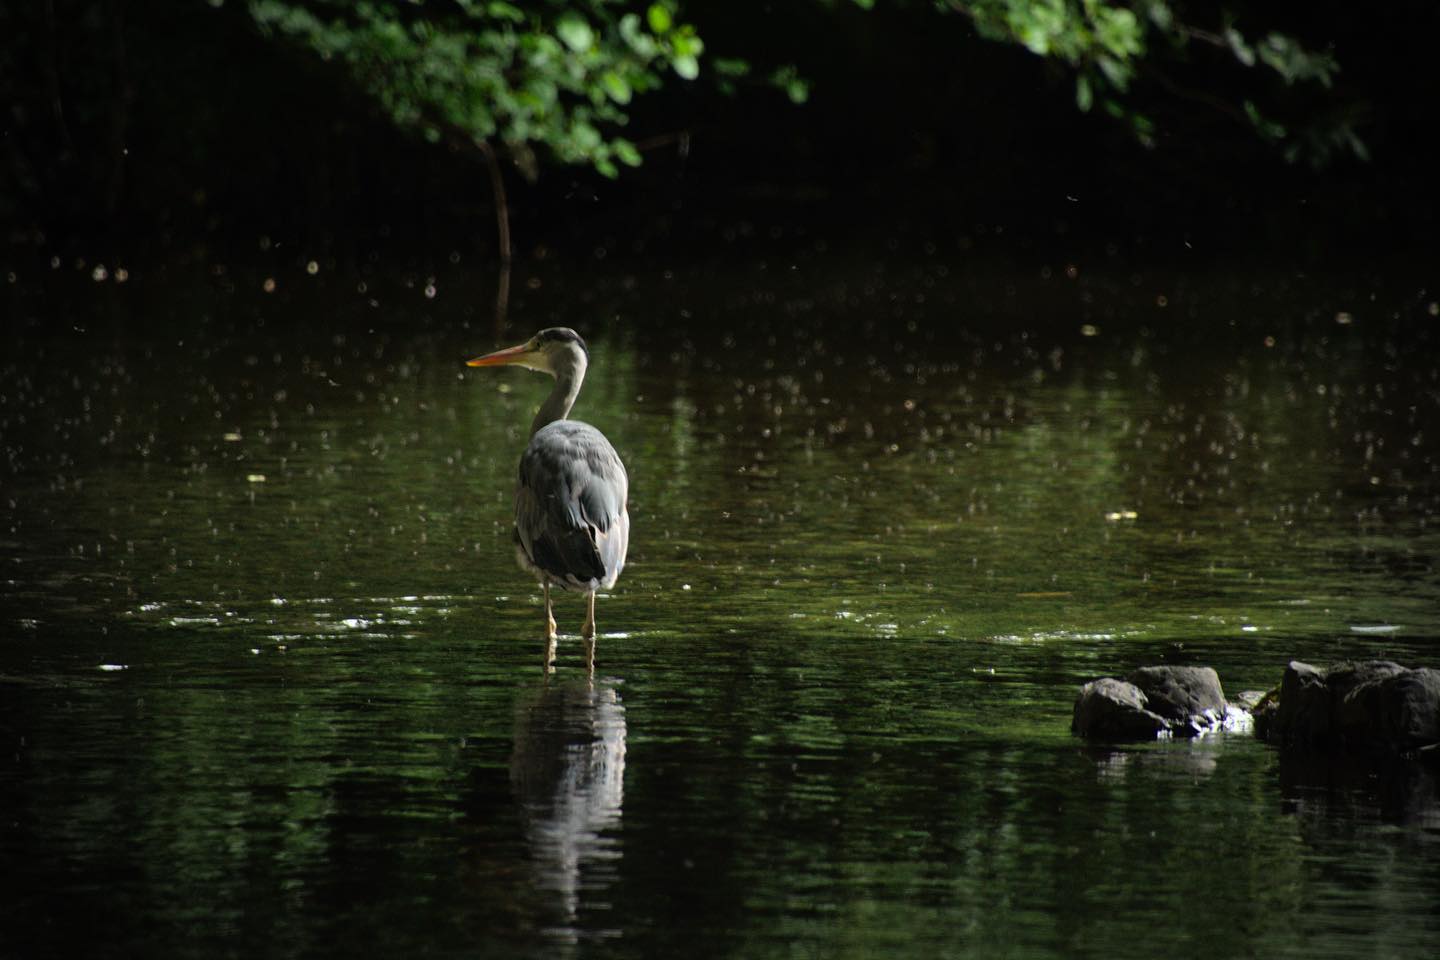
pixel 561 75
pixel 1111 43
pixel 557 75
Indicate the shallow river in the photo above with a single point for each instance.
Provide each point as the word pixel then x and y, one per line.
pixel 270 680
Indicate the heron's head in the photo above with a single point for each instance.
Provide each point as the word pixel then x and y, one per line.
pixel 558 351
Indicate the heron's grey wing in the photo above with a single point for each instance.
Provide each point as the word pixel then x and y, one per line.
pixel 570 505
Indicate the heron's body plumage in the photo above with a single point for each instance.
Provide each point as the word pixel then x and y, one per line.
pixel 572 526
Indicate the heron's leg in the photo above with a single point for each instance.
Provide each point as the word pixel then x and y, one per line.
pixel 588 630
pixel 548 663
pixel 549 615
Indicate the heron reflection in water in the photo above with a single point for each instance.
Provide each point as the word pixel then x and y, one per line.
pixel 568 775
pixel 572 528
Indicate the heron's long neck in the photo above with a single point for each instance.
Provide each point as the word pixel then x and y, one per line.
pixel 562 398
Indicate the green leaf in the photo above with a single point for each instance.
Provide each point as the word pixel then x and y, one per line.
pixel 686 44
pixel 730 67
pixel 616 86
pixel 660 19
pixel 1084 95
pixel 1242 50
pixel 642 43
pixel 585 137
pixel 575 32
pixel 1119 32
pixel 1116 72
pixel 687 66
pixel 788 78
pixel 505 11
pixel 627 153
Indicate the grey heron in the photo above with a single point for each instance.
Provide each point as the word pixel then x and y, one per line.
pixel 572 528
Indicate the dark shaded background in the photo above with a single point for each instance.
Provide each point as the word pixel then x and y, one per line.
pixel 165 129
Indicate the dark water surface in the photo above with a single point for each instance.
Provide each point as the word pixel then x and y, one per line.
pixel 269 679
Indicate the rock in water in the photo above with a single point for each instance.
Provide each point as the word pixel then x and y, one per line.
pixel 1358 698
pixel 1179 693
pixel 1307 714
pixel 1372 704
pixel 1155 702
pixel 1110 709
pixel 1249 700
pixel 1412 708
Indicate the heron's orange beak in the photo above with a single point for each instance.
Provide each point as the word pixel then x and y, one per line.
pixel 499 357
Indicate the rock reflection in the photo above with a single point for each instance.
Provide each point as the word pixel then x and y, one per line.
pixel 1347 787
pixel 1192 759
pixel 568 774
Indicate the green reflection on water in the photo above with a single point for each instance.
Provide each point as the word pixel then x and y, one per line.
pixel 871 562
